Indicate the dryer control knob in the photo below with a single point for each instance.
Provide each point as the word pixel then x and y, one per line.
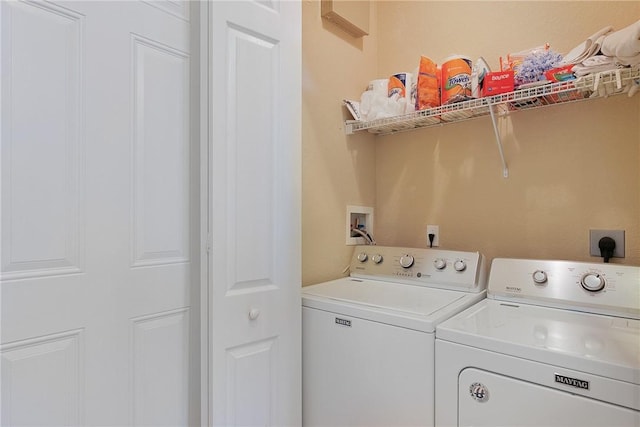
pixel 592 282
pixel 539 277
pixel 439 263
pixel 460 265
pixel 362 257
pixel 406 261
pixel 377 258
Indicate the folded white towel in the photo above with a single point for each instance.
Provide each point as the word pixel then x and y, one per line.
pixel 597 60
pixel 587 48
pixel 583 71
pixel 623 43
pixel 594 64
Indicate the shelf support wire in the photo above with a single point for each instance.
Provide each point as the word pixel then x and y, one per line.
pixel 505 169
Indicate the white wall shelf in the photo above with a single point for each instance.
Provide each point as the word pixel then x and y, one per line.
pixel 591 86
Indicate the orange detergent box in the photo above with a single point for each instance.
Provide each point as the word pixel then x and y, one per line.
pixel 498 82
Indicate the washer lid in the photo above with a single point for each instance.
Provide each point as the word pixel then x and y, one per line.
pixel 414 307
pixel 602 345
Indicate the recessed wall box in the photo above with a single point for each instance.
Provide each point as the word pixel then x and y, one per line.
pixel 351 16
pixel 360 217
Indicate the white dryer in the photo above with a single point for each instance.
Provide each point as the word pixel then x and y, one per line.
pixel 368 339
pixel 555 343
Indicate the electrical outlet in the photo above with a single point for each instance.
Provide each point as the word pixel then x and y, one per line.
pixel 596 235
pixel 435 230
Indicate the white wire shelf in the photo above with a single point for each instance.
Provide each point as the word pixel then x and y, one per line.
pixel 591 86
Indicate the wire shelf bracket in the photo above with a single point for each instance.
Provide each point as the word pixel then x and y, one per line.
pixel 505 168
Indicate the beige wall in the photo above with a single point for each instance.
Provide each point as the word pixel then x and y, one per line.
pixel 337 170
pixel 572 167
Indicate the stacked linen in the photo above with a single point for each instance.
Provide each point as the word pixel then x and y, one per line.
pixel 613 48
pixel 620 49
pixel 594 64
pixel 588 48
pixel 604 52
pixel 623 45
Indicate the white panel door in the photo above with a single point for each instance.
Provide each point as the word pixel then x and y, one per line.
pixel 254 212
pixel 97 227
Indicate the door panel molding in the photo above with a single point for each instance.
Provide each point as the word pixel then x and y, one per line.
pixel 42 141
pixel 251 376
pixel 46 373
pixel 161 153
pixel 160 368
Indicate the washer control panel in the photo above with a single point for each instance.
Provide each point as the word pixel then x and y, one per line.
pixel 592 287
pixel 420 266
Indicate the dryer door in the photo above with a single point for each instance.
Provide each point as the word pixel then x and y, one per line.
pixel 488 399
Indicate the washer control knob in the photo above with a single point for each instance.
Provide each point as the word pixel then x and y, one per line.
pixel 377 258
pixel 592 282
pixel 539 277
pixel 406 261
pixel 362 257
pixel 459 265
pixel 439 263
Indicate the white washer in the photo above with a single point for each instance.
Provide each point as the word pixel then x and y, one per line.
pixel 555 343
pixel 368 339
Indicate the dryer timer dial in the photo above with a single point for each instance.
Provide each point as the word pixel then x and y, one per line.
pixel 592 282
pixel 539 277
